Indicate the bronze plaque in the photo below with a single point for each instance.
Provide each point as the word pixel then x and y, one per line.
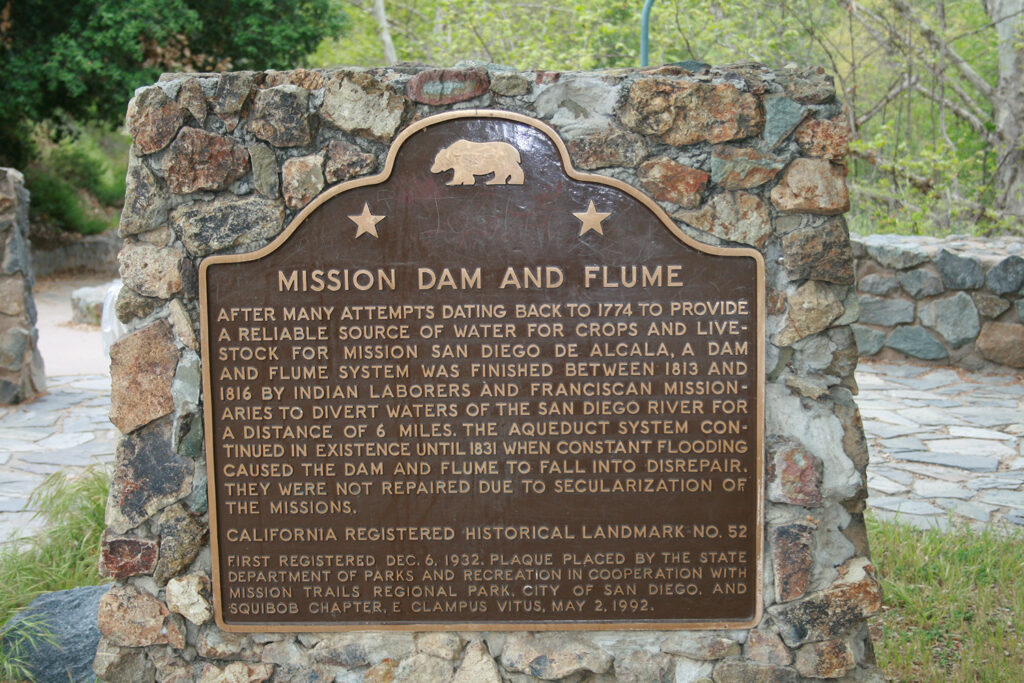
pixel 482 390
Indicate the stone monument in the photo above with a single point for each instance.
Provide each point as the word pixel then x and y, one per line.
pixel 399 325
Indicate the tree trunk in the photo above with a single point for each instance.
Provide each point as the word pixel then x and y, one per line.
pixel 381 17
pixel 1008 106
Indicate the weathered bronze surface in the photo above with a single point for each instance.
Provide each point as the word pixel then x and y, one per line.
pixel 484 391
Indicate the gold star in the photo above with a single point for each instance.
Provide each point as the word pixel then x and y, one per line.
pixel 366 223
pixel 591 220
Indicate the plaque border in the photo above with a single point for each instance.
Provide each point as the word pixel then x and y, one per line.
pixel 582 625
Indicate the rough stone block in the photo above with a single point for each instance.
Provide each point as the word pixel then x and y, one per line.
pixel 145 204
pixel 954 317
pixel 878 283
pixel 920 283
pixel 1007 276
pixel 281 116
pixel 1002 343
pixel 115 664
pixel 886 312
pixel 211 226
pixel 742 671
pixel 153 119
pixel 148 476
pixel 192 99
pixel 509 84
pixel 915 341
pixel 782 115
pixel 302 178
pixel 345 161
pixel 362 105
pixel 741 168
pixel 613 147
pixel 198 160
pixel 869 341
pixel 447 86
pixel 765 646
pixel 124 556
pixel 825 138
pixel 831 612
pixel 181 538
pixel 990 305
pixel 645 667
pixel 828 659
pixel 819 253
pixel 669 181
pixel 151 270
pixel 812 186
pixel 686 112
pixel 811 307
pixel 792 559
pixel 130 618
pixel 142 368
pixel 959 272
pixel 188 596
pixel 793 473
pixel 477 666
pixel 553 655
pixel 734 216
pixel 233 90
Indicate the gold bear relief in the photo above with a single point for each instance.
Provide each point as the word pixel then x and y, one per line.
pixel 470 159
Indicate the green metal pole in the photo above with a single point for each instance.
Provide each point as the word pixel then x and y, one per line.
pixel 645 26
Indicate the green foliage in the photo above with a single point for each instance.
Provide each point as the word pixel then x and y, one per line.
pixel 75 172
pixel 954 605
pixel 63 555
pixel 85 59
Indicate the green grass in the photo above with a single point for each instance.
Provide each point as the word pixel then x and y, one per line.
pixel 63 555
pixel 954 603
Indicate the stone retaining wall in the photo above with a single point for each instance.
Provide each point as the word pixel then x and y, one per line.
pixel 956 301
pixel 21 366
pixel 91 253
pixel 737 155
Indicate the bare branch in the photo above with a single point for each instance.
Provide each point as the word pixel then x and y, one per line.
pixel 938 44
pixel 961 113
pixel 895 91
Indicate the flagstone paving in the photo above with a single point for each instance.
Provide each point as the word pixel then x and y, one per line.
pixel 946 446
pixel 65 430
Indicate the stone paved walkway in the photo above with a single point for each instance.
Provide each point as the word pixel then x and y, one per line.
pixel 945 445
pixel 67 429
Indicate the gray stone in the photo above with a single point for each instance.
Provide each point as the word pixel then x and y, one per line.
pixel 148 476
pixel 477 666
pixel 963 461
pixel 781 117
pixel 87 304
pixel 145 204
pixel 878 283
pixel 116 664
pixel 819 252
pixel 362 105
pixel 743 671
pixel 1020 310
pixel 1007 276
pixel 915 341
pixel 14 342
pixel 509 84
pixel 700 645
pixel 920 283
pixel 990 305
pixel 904 506
pixel 131 305
pixel 281 116
pixel 553 655
pixel 645 667
pixel 886 312
pixel 734 216
pixel 210 226
pixel 954 317
pixel 264 170
pixel 869 341
pixel 892 251
pixel 959 272
pixel 70 616
pixel 151 270
pixel 422 668
pixel 233 90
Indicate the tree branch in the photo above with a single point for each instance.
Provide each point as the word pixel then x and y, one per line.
pixel 961 113
pixel 895 91
pixel 938 44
